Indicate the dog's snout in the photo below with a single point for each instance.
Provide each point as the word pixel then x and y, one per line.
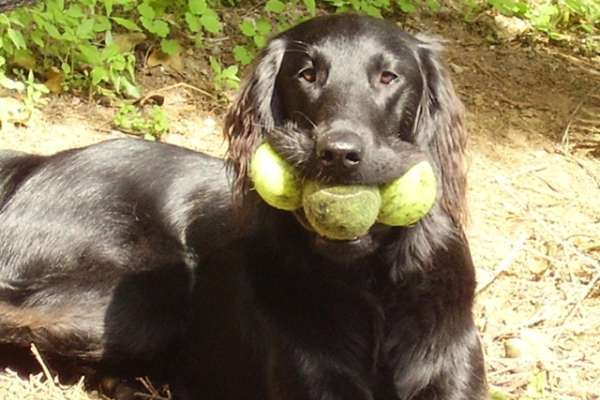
pixel 340 150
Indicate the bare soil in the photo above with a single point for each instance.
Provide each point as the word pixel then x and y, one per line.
pixel 534 118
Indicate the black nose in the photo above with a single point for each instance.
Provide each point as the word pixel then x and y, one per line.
pixel 340 150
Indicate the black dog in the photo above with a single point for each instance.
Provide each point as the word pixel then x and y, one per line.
pixel 136 251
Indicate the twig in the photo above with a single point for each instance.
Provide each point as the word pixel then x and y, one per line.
pixel 40 361
pixel 581 165
pixel 564 142
pixel 576 305
pixel 508 260
pixel 182 84
pixel 153 393
pixel 519 104
pixel 527 171
pixel 583 65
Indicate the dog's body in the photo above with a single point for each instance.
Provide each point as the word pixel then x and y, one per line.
pixel 128 250
pixel 98 245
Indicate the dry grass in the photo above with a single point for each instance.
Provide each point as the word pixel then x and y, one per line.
pixel 39 387
pixel 42 386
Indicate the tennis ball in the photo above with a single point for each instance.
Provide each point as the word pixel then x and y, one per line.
pixel 275 180
pixel 340 212
pixel 407 199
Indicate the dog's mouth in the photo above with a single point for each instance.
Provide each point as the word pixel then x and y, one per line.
pixel 343 251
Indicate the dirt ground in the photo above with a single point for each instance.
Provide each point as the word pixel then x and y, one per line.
pixel 534 118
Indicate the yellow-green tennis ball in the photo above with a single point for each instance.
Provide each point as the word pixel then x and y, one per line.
pixel 275 180
pixel 409 198
pixel 340 212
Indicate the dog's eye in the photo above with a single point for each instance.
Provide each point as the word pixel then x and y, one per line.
pixel 387 77
pixel 308 74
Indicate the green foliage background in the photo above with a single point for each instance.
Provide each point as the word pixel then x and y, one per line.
pixel 82 40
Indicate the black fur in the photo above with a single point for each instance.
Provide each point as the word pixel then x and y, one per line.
pixel 98 245
pixel 135 251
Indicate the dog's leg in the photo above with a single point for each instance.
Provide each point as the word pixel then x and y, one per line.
pixel 295 375
pixel 110 315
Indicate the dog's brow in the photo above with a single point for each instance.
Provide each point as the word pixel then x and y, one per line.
pixel 298 46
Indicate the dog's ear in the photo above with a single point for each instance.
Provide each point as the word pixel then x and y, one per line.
pixel 440 128
pixel 252 114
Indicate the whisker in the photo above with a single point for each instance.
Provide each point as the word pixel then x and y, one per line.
pixel 307 118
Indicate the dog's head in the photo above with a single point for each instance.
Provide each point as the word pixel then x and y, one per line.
pixel 350 99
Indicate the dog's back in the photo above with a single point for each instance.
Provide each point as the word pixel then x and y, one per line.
pixel 14 167
pixel 96 230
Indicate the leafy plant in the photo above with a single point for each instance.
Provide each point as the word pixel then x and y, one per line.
pixel 224 78
pixel 536 388
pixel 34 92
pixel 151 125
pixel 369 7
pixel 91 43
pixel 78 38
pixel 256 31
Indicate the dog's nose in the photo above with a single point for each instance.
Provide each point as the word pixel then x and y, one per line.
pixel 340 150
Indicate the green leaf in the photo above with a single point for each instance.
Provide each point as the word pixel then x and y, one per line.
pixel 242 55
pixel 66 68
pixel 69 35
pixel 108 6
pixel 215 65
pixel 85 29
pixel 56 6
pixel 52 31
pixel 16 38
pixel 230 75
pixel 127 24
pixel 199 40
pixel 247 28
pixel 161 28
pixel 110 51
pixel 260 41
pixel 407 6
pixel 130 89
pixel 263 26
pixel 102 24
pixel 193 22
pixel 117 64
pixel 75 11
pixel 311 6
pixel 158 27
pixel 198 7
pixel 99 74
pixel 371 11
pixel 89 53
pixel 434 5
pixel 211 23
pixel 147 23
pixel 146 11
pixel 37 37
pixel 275 6
pixel 169 46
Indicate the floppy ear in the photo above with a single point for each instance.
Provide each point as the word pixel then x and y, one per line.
pixel 252 114
pixel 440 129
